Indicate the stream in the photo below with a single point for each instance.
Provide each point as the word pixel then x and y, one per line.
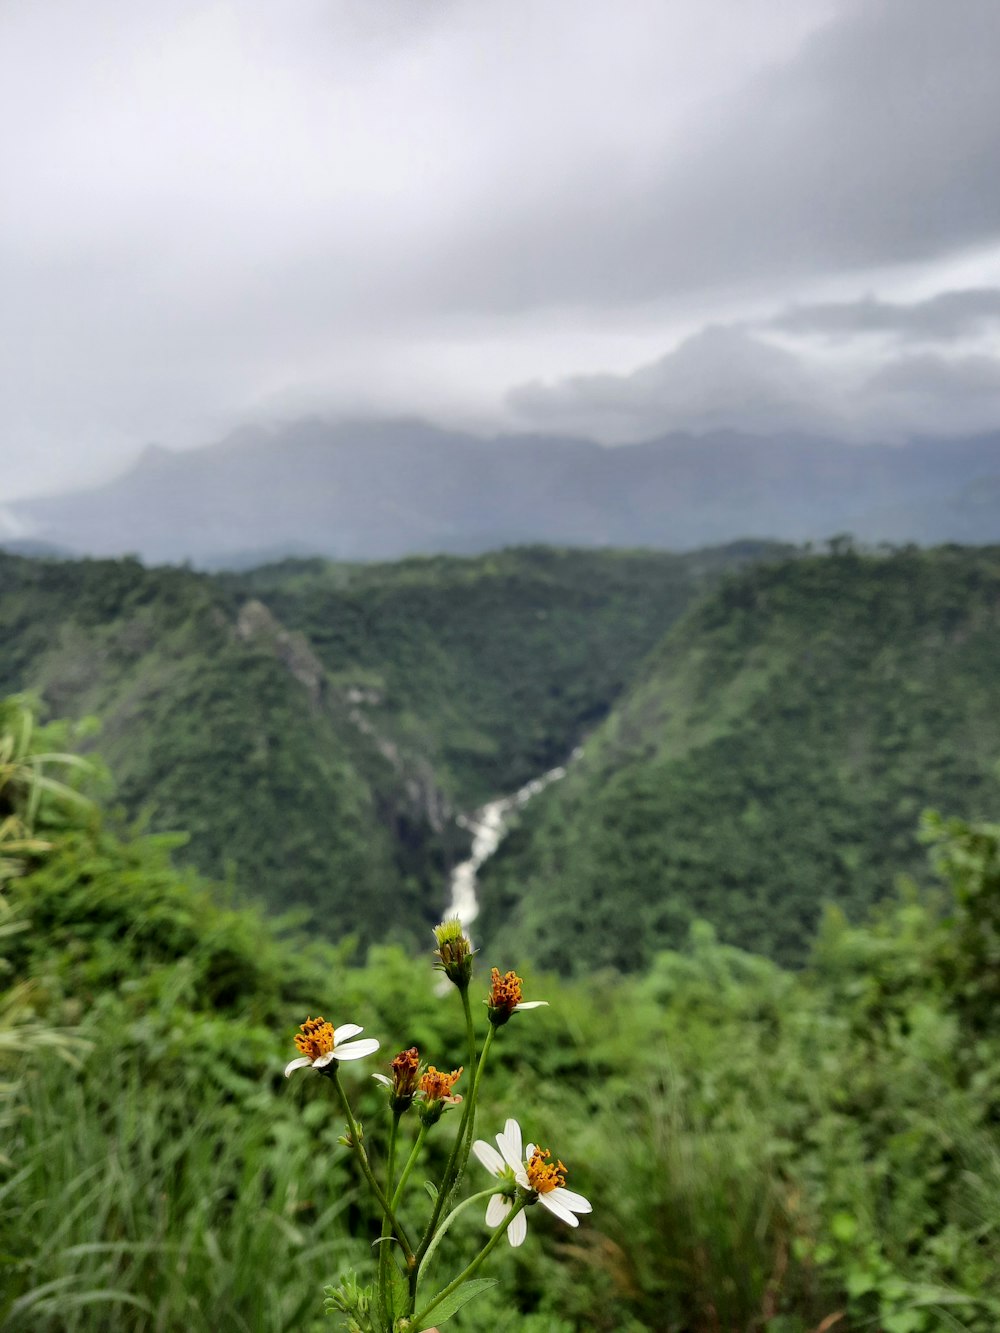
pixel 488 825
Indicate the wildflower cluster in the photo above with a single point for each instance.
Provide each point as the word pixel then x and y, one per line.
pixel 401 1297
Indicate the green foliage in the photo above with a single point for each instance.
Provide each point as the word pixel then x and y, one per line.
pixel 764 1150
pixel 314 742
pixel 490 667
pixel 240 746
pixel 774 755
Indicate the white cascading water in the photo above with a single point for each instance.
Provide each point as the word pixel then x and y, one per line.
pixel 488 825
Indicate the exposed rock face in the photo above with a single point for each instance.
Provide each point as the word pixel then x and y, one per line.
pixel 255 623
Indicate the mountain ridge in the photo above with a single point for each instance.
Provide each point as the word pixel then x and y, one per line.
pixel 390 489
pixel 773 754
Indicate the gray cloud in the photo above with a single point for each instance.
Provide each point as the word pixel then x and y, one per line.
pixel 941 318
pixel 930 394
pixel 729 378
pixel 221 212
pixel 877 143
pixel 719 378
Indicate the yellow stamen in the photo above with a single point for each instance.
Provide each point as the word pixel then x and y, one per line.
pixel 404 1072
pixel 436 1085
pixel 505 992
pixel 544 1176
pixel 316 1038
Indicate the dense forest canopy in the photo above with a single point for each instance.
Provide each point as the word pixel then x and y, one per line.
pixel 773 754
pixel 316 727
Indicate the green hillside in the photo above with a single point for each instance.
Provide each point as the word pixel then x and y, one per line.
pixel 764 1150
pixel 217 725
pixel 489 668
pixel 775 754
pixel 312 727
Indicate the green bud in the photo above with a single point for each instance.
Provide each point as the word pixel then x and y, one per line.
pixel 454 952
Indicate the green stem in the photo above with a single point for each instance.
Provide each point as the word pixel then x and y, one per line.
pixel 419 1320
pixel 450 1175
pixel 470 1029
pixel 362 1157
pixel 483 1194
pixel 474 1099
pixel 410 1162
pixel 386 1226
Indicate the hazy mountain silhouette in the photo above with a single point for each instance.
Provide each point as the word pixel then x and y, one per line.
pixel 380 490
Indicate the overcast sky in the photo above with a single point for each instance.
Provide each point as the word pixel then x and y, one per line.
pixel 611 219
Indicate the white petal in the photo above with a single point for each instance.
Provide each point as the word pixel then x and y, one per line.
pixel 512 1130
pixel 300 1063
pixel 529 1152
pixel 354 1050
pixel 531 1004
pixel 570 1199
pixel 521 1176
pixel 509 1143
pixel 497 1209
pixel 557 1209
pixel 517 1230
pixel 383 1079
pixel 322 1061
pixel 489 1157
pixel 344 1032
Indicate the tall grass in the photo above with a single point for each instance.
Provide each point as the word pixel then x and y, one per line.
pixel 134 1206
pixel 702 1225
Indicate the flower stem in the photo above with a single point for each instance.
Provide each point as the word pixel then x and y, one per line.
pixel 473 1099
pixel 383 1256
pixel 450 1176
pixel 362 1157
pixel 470 1028
pixel 483 1194
pixel 419 1320
pixel 408 1167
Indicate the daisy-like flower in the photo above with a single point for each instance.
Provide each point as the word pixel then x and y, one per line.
pixel 320 1043
pixel 539 1179
pixel 504 998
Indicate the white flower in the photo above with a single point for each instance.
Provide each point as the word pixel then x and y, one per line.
pixel 534 1174
pixel 320 1043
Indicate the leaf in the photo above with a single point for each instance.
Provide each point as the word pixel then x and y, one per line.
pixel 903 1321
pixel 859 1282
pixel 461 1296
pixel 844 1226
pixel 395 1298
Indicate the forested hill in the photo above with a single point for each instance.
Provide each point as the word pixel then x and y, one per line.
pixel 775 755
pixel 313 726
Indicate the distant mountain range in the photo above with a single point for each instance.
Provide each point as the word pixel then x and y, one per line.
pixel 382 490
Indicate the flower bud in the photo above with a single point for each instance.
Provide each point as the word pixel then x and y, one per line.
pixel 454 952
pixel 405 1068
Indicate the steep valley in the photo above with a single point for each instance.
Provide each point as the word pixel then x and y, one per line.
pixel 774 755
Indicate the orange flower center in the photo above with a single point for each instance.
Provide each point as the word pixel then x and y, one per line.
pixel 404 1071
pixel 436 1085
pixel 505 991
pixel 544 1176
pixel 316 1038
